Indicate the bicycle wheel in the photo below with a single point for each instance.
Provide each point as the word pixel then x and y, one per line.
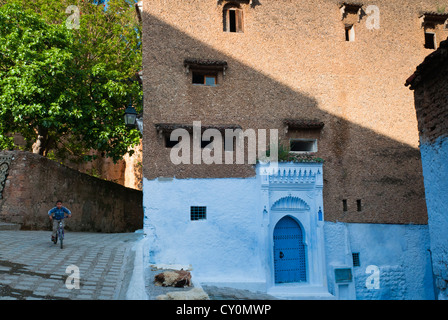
pixel 61 237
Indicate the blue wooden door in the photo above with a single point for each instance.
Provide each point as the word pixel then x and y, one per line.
pixel 289 252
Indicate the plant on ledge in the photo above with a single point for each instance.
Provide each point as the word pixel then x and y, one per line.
pixel 285 155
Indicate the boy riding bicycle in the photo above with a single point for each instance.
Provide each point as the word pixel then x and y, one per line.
pixel 58 213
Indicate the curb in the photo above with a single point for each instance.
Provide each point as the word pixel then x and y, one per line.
pixel 9 226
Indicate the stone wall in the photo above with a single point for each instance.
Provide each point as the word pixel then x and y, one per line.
pixel 32 184
pixel 127 172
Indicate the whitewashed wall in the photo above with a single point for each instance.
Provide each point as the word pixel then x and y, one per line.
pixel 222 248
pixel 229 247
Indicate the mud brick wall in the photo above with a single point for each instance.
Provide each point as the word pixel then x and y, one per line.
pixel 32 184
pixel 293 62
pixel 431 99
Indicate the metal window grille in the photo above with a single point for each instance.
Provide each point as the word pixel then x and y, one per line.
pixel 356 261
pixel 198 213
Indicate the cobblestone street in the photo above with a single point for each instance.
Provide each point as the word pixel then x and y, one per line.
pixel 33 268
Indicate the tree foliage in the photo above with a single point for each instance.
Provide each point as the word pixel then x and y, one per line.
pixel 65 90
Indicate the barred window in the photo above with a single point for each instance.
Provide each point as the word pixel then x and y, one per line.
pixel 198 213
pixel 356 261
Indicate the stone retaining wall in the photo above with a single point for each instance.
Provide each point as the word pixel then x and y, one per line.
pixel 32 184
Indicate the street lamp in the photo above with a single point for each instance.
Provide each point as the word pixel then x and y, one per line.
pixel 130 116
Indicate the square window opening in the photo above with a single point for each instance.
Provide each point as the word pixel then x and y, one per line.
pixel 198 213
pixel 204 79
pixel 430 40
pixel 297 145
pixel 198 78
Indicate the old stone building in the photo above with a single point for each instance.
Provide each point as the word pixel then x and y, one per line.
pixel 430 85
pixel 327 76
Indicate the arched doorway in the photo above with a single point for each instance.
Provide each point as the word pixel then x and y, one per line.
pixel 289 251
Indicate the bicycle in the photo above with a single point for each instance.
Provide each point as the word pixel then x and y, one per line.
pixel 60 234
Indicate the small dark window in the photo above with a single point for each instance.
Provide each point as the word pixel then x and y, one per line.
pixel 344 205
pixel 233 19
pixel 430 40
pixel 204 79
pixel 356 261
pixel 303 145
pixel 358 205
pixel 349 33
pixel 198 213
pixel 171 144
pixel 198 78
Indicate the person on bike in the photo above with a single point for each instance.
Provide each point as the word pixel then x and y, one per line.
pixel 57 214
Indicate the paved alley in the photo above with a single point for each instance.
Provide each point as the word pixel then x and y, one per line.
pixel 33 268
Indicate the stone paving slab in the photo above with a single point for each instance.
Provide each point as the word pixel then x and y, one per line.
pixel 32 267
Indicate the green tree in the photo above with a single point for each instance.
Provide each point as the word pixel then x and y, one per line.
pixel 65 89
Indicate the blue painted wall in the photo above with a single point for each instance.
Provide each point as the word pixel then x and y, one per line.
pixel 435 174
pixel 399 251
pixel 228 247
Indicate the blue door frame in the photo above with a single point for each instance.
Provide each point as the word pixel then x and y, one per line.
pixel 289 251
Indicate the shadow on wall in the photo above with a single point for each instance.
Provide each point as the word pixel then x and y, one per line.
pixel 384 174
pixel 34 184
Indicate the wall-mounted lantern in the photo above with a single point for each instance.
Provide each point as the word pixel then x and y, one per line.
pixel 130 116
